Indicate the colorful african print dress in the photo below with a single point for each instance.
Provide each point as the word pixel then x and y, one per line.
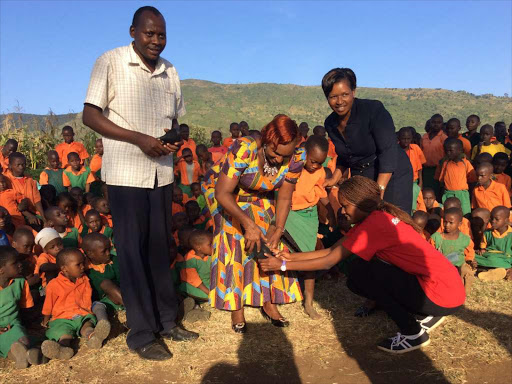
pixel 236 279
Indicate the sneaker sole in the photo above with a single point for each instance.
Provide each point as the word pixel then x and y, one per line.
pixel 441 321
pixel 493 274
pixel 53 350
pixel 101 332
pixel 19 353
pixel 400 351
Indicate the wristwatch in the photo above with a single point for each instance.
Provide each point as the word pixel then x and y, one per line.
pixel 283 266
pixel 382 188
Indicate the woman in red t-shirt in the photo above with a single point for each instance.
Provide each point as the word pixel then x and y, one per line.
pixel 408 278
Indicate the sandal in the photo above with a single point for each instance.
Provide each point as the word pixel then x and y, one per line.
pixel 280 323
pixel 239 327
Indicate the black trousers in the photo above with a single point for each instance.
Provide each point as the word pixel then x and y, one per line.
pixel 397 292
pixel 142 229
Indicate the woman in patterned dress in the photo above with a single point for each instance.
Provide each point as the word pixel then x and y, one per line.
pixel 240 192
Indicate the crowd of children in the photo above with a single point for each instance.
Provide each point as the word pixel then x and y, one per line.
pixel 58 262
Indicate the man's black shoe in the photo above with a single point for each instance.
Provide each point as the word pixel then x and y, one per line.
pixel 153 351
pixel 179 334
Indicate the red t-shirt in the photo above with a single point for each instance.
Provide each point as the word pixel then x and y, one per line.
pixel 398 244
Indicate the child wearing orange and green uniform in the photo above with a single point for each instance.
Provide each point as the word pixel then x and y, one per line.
pixel 188 170
pixel 497 242
pixel 52 174
pixel 195 268
pixel 77 175
pixel 417 159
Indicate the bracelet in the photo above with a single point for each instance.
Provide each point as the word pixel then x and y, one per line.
pixel 382 188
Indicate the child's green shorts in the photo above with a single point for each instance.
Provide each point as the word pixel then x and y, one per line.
pixel 16 332
pixel 60 327
pixel 111 306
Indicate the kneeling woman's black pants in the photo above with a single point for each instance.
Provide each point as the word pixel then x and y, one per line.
pixel 395 291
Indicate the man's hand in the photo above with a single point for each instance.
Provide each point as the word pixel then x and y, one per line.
pixel 151 146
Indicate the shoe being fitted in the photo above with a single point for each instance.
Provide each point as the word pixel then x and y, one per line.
pixel 430 323
pixel 405 343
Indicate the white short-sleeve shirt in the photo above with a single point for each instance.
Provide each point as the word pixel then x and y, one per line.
pixel 136 99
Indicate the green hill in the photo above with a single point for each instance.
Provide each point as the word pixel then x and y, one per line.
pixel 214 106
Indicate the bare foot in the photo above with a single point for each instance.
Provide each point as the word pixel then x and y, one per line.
pixel 311 312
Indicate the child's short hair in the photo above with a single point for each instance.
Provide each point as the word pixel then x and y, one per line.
pixel 500 156
pixel 452 141
pixel 191 204
pixel 475 116
pixel 429 190
pixel 7 253
pixel 73 154
pixel 52 153
pixel 97 200
pixel 67 128
pixel 195 184
pixel 22 232
pixel 452 202
pixel 232 125
pixel 184 236
pixel 436 115
pixel 48 193
pixel 201 148
pixel 16 155
pixel 66 196
pixel 485 165
pixel 420 216
pixel 315 141
pixel 487 127
pixel 500 209
pixel 186 150
pixel 198 238
pixel 64 255
pixel 454 211
pixel 90 240
pixel 216 132
pixel 319 130
pixel 482 158
pixel 50 211
pixel 91 212
pixel 11 143
pixel 405 130
pixel 255 134
pixel 453 120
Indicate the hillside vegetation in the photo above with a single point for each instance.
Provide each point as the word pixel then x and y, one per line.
pixel 213 106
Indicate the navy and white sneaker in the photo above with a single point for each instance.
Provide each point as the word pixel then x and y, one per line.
pixel 405 343
pixel 430 323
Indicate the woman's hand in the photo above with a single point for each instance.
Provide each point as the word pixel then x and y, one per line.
pixel 283 255
pixel 274 239
pixel 253 237
pixel 271 263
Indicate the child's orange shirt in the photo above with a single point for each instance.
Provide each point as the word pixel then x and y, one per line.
pixel 425 235
pixel 420 204
pixel 107 220
pixel 466 146
pixel 332 150
pixel 26 187
pixel 65 299
pixel 181 169
pixel 464 227
pixel 433 149
pixel 43 177
pixel 95 164
pixel 191 144
pixel 309 189
pixel 504 179
pixel 74 221
pixel 9 199
pixel 177 208
pixel 43 258
pixel 64 149
pixel 456 175
pixel 417 159
pixel 217 153
pixel 4 161
pixel 228 141
pixel 190 275
pixel 496 194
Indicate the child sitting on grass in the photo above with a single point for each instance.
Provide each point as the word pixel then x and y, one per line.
pixel 68 309
pixel 195 268
pixel 46 265
pixel 58 220
pixel 52 174
pixel 500 163
pixel 14 298
pixel 103 271
pixel 488 193
pixel 101 205
pixel 480 218
pixel 495 254
pixel 70 145
pixel 76 174
pixel 95 225
pixel 431 204
pixel 69 206
pixel 12 201
pixel 454 173
pixel 456 246
pixel 465 225
pixel 188 171
pixel 23 242
pixel 197 195
pixel 217 149
pixel 177 200
pixel 26 187
pixel 421 220
pixel 195 218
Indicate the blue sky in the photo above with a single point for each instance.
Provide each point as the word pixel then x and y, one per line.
pixel 48 48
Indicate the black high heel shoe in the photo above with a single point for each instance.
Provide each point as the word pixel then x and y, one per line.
pixel 280 323
pixel 239 327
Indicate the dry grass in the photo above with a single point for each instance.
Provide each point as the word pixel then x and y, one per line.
pixel 337 349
